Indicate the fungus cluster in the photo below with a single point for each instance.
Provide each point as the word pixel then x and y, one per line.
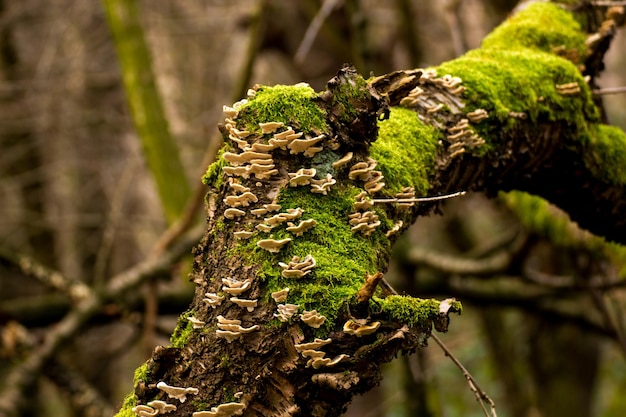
pixel 297 268
pixel 303 226
pixel 461 136
pixel 154 408
pixel 302 176
pixel 249 305
pixel 477 115
pixel 365 172
pixel 286 311
pixel 568 89
pixel 281 295
pixel 212 299
pixel 313 318
pixel 362 203
pixel 395 229
pixel 360 329
pixel 273 245
pixel 195 323
pixel 230 329
pixel 407 193
pixel 178 393
pixel 343 161
pixel 316 357
pixel 322 186
pixel 365 222
pixel 222 410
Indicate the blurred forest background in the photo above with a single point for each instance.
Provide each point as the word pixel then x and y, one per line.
pixel 543 328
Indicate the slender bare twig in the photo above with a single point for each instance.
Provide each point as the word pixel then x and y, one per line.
pixel 311 33
pixel 609 90
pixel 481 396
pixel 419 199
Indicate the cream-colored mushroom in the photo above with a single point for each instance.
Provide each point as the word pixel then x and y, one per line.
pixel 240 133
pixel 240 171
pixel 145 411
pixel 477 115
pixel 373 183
pixel 322 186
pixel 243 234
pixel 176 392
pixel 271 207
pixel 407 193
pixel 395 229
pixel 297 268
pixel 270 127
pixel 461 125
pixel 284 134
pixel 568 89
pixel 236 288
pixel 434 109
pixel 231 213
pixel 259 212
pixel 343 161
pixel 247 304
pixel 222 410
pixel 303 226
pixel 212 299
pixel 241 200
pixel 281 295
pixel 317 363
pixel 230 112
pixel 238 159
pixel 301 177
pixel 352 327
pixel 313 318
pixel 228 335
pixel 286 311
pixel 223 320
pixel 361 202
pixel 238 187
pixel 261 171
pixel 266 228
pixel 262 147
pixel 301 145
pixel 279 143
pixel 315 344
pixel 196 324
pixel 312 353
pixel 161 406
pixel 273 245
pixel 361 170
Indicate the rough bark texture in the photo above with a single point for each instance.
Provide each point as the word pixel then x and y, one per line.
pixel 519 115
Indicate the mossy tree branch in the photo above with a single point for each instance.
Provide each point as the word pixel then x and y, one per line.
pixel 290 207
pixel 145 104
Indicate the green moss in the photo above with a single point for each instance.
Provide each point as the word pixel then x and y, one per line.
pixel 343 257
pixel 541 26
pixel 213 175
pixel 517 71
pixel 606 153
pixel 141 373
pixel 127 407
pixel 225 362
pixel 405 151
pixel 411 311
pixel 293 105
pixel 183 331
pixel 553 224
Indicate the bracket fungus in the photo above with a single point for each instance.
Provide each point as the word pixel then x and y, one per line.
pixel 230 329
pixel 373 183
pixel 145 411
pixel 317 363
pixel 178 393
pixel 281 295
pixel 272 245
pixel 365 223
pixel 247 304
pixel 322 186
pixel 302 176
pixel 264 227
pixel 243 234
pixel 361 170
pixel 196 324
pixel 238 187
pixel 234 287
pixel 212 299
pixel 361 202
pixel 222 410
pixel 395 229
pixel 161 406
pixel 230 112
pixel 315 344
pixel 407 193
pixel 313 318
pixel 477 115
pixel 286 311
pixel 353 327
pixel 231 213
pixel 302 145
pixel 241 200
pixel 297 268
pixel 238 159
pixel 270 127
pixel 568 89
pixel 303 226
pixel 343 161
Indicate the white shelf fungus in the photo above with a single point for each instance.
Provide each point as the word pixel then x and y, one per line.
pixel 178 393
pixel 247 304
pixel 280 296
pixel 313 318
pixel 222 410
pixel 212 299
pixel 272 245
pixel 303 226
pixel 286 311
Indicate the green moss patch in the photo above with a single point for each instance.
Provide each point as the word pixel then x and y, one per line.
pixel 606 153
pixel 411 311
pixel 405 151
pixel 292 105
pixel 183 331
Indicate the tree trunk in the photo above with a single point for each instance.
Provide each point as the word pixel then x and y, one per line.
pixel 299 210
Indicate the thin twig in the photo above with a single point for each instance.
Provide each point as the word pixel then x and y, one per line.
pixel 609 90
pixel 481 396
pixel 419 199
pixel 311 33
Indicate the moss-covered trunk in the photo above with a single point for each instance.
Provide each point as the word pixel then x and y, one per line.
pixel 287 318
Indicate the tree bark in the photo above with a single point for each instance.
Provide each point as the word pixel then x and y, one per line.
pixel 520 115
